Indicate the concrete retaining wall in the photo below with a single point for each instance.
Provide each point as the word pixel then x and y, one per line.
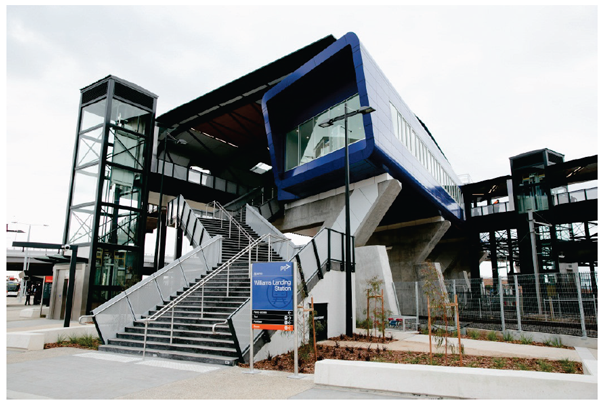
pixel 455 382
pixel 35 340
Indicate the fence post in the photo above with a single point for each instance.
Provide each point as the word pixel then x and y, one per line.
pixel 580 301
pixel 501 293
pixel 518 304
pixel 454 292
pixel 417 303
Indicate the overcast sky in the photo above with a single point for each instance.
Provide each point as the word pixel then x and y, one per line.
pixel 490 82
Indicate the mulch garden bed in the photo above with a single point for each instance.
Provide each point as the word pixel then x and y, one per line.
pixel 306 358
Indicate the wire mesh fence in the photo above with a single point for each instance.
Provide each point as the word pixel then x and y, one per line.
pixel 551 303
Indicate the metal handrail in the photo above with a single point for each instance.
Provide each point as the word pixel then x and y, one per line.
pixel 152 277
pixel 171 306
pixel 322 234
pixel 231 219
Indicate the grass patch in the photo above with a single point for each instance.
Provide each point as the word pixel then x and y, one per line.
pixel 555 342
pixel 507 336
pixel 567 366
pixel 498 363
pixel 526 339
pixel 492 336
pixel 83 341
pixel 473 334
pixel 544 366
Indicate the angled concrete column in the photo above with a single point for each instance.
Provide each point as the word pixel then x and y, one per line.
pixel 369 201
pixel 410 244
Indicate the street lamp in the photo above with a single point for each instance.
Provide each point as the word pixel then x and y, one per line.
pixel 168 137
pixel 26 259
pixel 362 110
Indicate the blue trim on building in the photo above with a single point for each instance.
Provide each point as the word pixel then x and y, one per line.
pixel 379 152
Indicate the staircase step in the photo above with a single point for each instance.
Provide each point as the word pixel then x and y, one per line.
pixel 220 334
pixel 198 326
pixel 184 348
pixel 177 340
pixel 205 308
pixel 187 356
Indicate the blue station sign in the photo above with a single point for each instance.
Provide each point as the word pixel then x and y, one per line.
pixel 273 296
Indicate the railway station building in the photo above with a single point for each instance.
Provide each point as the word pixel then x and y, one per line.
pixel 267 154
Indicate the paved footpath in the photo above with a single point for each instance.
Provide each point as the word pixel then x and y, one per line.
pixel 71 373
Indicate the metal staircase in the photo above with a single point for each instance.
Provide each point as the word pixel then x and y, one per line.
pixel 192 325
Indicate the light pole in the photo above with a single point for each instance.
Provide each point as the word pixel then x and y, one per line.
pixel 168 137
pixel 348 266
pixel 26 260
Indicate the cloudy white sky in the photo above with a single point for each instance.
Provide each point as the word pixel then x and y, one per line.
pixel 490 82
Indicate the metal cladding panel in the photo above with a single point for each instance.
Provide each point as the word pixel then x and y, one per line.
pixel 331 162
pixel 384 152
pixel 389 150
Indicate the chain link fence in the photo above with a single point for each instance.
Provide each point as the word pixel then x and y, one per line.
pixel 550 303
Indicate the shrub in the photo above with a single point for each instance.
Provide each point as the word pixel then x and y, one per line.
pixel 507 336
pixel 492 336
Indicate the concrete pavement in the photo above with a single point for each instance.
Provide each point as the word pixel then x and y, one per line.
pixel 69 373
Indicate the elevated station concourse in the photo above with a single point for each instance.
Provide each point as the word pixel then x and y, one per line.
pixel 257 150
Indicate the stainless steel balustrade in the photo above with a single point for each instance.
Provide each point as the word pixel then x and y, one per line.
pixel 181 213
pixel 220 210
pixel 197 177
pixel 257 222
pixel 326 247
pixel 127 307
pixel 575 196
pixel 200 285
pixel 491 209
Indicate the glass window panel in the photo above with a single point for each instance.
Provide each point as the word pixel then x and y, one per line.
pixel 305 134
pixel 85 185
pixel 129 117
pixel 93 115
pixel 89 147
pixel 291 149
pixel 116 268
pixel 118 226
pixel 320 140
pixel 80 225
pixel 119 192
pixel 126 149
pixel 180 172
pixel 394 114
pixel 311 141
pixel 194 176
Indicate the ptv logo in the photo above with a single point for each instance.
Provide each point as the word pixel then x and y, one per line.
pixel 284 267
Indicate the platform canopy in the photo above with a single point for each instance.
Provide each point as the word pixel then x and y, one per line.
pixel 224 130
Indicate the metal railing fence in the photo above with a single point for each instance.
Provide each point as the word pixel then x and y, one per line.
pixel 196 177
pixel 557 303
pixel 575 196
pixel 491 209
pixel 312 259
pixel 131 304
pixel 199 286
